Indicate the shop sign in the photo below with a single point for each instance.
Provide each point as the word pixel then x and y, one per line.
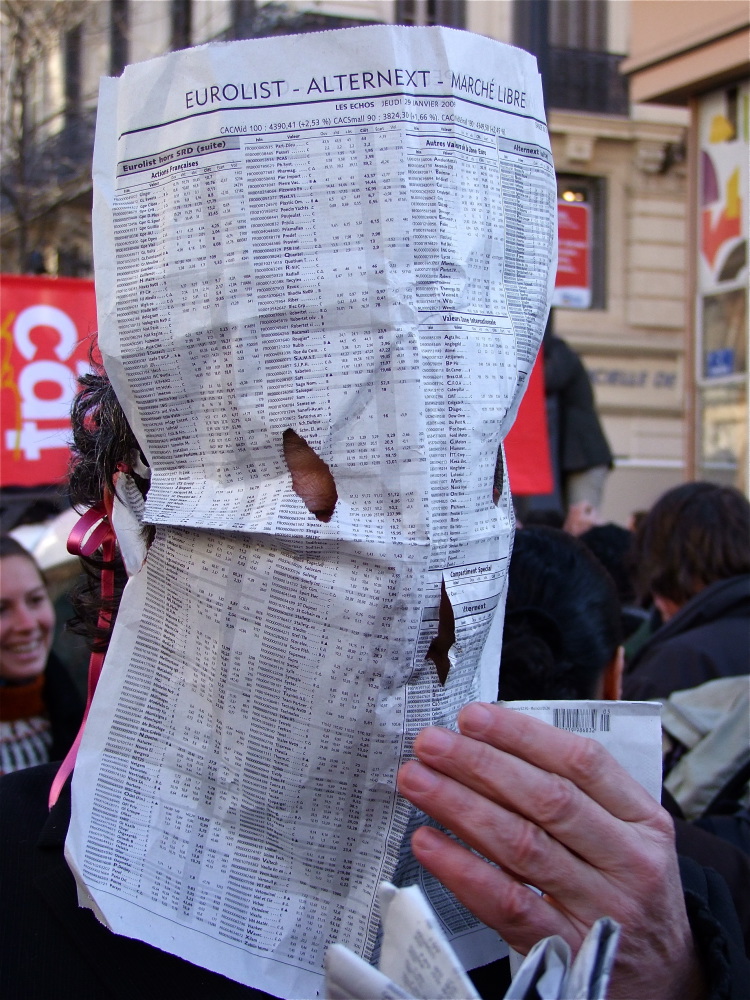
pixel 573 280
pixel 642 383
pixel 723 233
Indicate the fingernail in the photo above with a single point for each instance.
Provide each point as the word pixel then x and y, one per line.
pixel 475 719
pixel 414 777
pixel 435 740
pixel 425 839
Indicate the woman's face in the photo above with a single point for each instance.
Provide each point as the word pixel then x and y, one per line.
pixel 27 620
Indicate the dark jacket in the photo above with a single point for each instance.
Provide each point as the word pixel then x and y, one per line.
pixel 708 638
pixel 64 706
pixel 713 921
pixel 581 441
pixel 53 948
pixel 711 851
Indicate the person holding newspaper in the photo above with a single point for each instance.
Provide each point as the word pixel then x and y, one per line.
pixel 547 808
pixel 554 809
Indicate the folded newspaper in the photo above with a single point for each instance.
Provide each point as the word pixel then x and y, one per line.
pixel 416 960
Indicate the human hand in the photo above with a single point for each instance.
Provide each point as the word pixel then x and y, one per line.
pixel 580 517
pixel 555 810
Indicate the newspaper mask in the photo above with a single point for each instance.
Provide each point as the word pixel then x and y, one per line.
pixel 272 265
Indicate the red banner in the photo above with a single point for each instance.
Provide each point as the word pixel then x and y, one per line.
pixel 527 445
pixel 46 327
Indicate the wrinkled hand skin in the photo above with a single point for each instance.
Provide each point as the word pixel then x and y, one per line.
pixel 557 811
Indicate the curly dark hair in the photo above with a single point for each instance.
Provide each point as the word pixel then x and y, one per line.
pixel 693 536
pixel 562 619
pixel 102 440
pixel 102 443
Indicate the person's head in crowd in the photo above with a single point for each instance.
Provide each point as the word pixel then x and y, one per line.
pixel 27 617
pixel 611 545
pixel 636 519
pixel 694 535
pixel 563 633
pixel 549 517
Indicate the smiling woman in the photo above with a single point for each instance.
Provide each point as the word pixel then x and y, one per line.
pixel 39 707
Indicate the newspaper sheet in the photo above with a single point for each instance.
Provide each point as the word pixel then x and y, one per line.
pixel 351 235
pixel 629 730
pixel 417 961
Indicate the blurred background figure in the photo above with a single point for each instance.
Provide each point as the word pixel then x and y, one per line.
pixel 612 546
pixel 692 558
pixel 581 456
pixel 563 630
pixel 40 707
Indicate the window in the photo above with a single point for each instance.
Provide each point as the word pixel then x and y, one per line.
pixel 578 24
pixel 451 13
pixel 569 39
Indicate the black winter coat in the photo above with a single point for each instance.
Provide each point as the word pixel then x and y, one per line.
pixel 708 638
pixel 581 441
pixel 64 706
pixel 51 948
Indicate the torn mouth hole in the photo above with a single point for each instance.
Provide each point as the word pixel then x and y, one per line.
pixel 499 478
pixel 311 478
pixel 446 636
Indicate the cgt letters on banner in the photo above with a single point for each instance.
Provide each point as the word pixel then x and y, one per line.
pixel 47 329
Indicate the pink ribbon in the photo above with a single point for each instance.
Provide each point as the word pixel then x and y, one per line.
pixel 91 532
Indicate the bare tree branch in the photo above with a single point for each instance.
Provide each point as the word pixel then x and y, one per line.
pixel 32 160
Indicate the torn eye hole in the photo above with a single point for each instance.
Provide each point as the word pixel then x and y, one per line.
pixel 311 478
pixel 446 636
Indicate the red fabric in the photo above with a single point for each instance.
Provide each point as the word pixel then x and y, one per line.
pixel 46 328
pixel 90 533
pixel 527 446
pixel 22 701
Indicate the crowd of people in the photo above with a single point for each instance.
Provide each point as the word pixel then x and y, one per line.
pixel 541 831
pixel 534 805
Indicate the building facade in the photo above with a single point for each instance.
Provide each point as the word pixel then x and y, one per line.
pixel 697 56
pixel 621 172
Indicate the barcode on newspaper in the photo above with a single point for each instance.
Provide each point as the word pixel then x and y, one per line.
pixel 582 720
